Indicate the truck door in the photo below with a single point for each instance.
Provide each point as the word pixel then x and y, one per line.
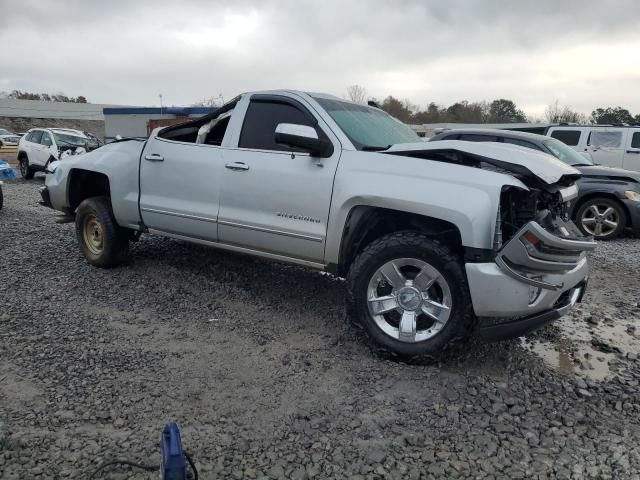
pixel 632 150
pixel 275 200
pixel 605 145
pixel 180 188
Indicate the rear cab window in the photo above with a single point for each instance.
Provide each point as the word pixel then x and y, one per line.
pixel 568 137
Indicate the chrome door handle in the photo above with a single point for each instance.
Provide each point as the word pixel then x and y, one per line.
pixel 154 157
pixel 633 151
pixel 237 166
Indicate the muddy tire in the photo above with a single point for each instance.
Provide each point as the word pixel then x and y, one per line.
pixel 410 295
pixel 103 243
pixel 25 170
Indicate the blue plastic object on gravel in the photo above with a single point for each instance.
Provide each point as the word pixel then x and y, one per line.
pixel 6 172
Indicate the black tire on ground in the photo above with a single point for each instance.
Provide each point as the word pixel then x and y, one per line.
pixel 409 244
pixel 25 170
pixel 601 204
pixel 103 242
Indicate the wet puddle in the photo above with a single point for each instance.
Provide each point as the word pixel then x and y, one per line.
pixel 595 351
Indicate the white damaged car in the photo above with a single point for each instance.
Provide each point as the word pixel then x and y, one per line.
pixel 41 146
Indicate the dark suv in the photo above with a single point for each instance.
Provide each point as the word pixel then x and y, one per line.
pixel 608 199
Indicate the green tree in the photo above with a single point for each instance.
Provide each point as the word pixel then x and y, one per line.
pixel 433 114
pixel 396 108
pixel 612 115
pixel 505 111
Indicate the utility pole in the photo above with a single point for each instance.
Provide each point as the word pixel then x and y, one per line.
pixel 160 95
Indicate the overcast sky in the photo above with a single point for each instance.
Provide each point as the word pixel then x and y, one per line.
pixel 583 53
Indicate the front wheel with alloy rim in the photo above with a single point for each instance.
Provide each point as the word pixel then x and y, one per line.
pixel 410 294
pixel 25 170
pixel 601 218
pixel 103 242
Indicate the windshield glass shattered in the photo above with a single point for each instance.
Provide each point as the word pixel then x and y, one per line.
pixel 366 127
pixel 70 140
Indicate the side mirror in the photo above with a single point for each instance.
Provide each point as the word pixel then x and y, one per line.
pixel 304 138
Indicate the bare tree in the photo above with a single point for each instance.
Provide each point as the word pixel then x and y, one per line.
pixel 357 93
pixel 216 101
pixel 556 113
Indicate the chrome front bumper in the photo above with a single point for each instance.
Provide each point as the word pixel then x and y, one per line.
pixel 535 272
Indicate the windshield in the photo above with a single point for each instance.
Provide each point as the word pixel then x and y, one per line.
pixel 70 140
pixel 5 132
pixel 367 127
pixel 566 154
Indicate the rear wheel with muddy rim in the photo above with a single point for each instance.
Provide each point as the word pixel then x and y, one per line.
pixel 601 218
pixel 410 294
pixel 103 243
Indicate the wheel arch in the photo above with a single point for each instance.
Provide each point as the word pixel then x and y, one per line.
pixel 83 184
pixel 364 224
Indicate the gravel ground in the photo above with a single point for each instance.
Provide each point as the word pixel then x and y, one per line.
pixel 267 379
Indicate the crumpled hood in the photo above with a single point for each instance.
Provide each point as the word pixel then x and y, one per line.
pixel 544 166
pixel 600 171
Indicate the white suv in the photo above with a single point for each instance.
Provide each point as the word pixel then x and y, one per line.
pixel 40 146
pixel 603 144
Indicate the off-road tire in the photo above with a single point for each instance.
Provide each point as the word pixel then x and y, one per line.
pixel 413 245
pixel 602 201
pixel 115 239
pixel 25 170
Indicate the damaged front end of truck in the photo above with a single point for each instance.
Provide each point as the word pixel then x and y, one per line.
pixel 538 266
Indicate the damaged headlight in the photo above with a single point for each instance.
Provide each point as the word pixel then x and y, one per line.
pixel 631 195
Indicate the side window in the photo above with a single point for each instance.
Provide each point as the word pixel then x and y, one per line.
pixel 607 139
pixel 46 139
pixel 522 143
pixel 36 136
pixel 478 138
pixel 450 137
pixel 261 120
pixel 568 137
pixel 635 140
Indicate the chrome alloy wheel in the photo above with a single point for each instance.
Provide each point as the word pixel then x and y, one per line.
pixel 409 300
pixel 93 235
pixel 600 220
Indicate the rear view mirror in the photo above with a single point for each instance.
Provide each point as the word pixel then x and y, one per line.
pixel 304 138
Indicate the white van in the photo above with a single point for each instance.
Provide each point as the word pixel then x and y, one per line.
pixel 603 144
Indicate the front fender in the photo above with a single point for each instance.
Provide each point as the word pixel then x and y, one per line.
pixel 463 196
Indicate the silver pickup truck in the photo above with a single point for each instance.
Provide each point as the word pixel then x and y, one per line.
pixel 436 240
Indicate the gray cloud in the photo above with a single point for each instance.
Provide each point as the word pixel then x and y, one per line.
pixel 582 53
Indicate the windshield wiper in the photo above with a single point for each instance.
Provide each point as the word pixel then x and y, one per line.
pixel 372 148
